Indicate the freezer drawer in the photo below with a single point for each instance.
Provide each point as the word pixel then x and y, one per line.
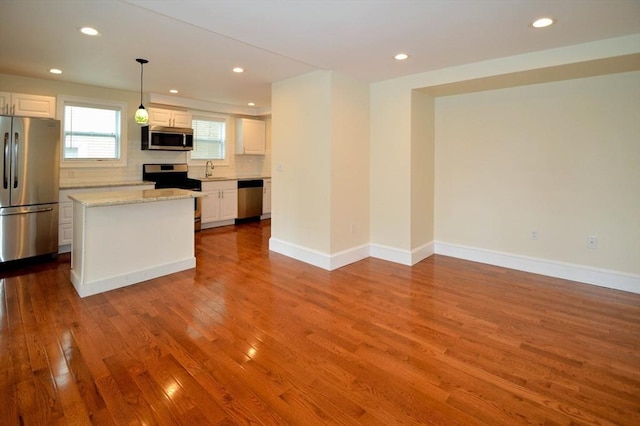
pixel 28 231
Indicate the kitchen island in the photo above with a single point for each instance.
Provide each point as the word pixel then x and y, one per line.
pixel 125 237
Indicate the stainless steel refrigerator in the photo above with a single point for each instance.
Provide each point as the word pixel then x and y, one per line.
pixel 29 187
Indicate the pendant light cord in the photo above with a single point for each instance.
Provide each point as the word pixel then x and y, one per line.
pixel 141 62
pixel 141 80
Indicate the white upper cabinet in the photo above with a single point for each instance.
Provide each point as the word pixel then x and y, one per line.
pixel 181 119
pixel 27 105
pixel 250 136
pixel 169 118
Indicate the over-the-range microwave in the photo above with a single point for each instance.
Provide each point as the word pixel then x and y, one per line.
pixel 167 138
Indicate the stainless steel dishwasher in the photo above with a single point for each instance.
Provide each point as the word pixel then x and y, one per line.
pixel 249 200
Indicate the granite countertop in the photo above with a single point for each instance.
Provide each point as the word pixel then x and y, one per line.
pixel 214 179
pixel 100 199
pixel 105 184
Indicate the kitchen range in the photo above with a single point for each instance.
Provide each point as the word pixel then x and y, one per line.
pixel 175 176
pixel 29 191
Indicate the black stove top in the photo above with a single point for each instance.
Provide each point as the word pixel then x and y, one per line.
pixel 170 176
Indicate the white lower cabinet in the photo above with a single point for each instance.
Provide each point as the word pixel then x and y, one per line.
pixel 220 205
pixel 65 208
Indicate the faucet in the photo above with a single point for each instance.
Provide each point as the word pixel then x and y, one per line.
pixel 208 169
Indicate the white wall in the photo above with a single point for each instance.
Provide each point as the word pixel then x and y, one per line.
pixel 394 209
pixel 422 173
pixel 320 202
pixel 560 158
pixel 390 158
pixel 349 163
pixel 238 165
pixel 301 181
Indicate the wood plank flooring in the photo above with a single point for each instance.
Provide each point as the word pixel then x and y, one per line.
pixel 253 337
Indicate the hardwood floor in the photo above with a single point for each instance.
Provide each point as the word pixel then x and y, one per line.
pixel 252 337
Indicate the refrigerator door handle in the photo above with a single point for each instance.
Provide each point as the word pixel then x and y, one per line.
pixel 5 161
pixel 15 159
pixel 26 211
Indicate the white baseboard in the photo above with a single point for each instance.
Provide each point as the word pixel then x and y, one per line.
pixel 568 271
pixel 318 258
pixel 217 224
pixel 404 257
pixel 345 257
pixel 421 253
pixel 552 268
pixel 111 283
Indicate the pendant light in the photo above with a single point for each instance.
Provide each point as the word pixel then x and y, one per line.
pixel 142 116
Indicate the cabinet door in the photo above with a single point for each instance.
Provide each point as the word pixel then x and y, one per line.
pixel 66 212
pixel 211 207
pixel 159 117
pixel 250 136
pixel 65 234
pixel 33 105
pixel 181 119
pixel 229 204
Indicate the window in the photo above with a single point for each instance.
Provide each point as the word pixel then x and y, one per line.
pixel 93 133
pixel 209 138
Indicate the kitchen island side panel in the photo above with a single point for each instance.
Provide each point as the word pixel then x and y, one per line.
pixel 120 245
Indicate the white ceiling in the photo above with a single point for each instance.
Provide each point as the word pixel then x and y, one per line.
pixel 192 45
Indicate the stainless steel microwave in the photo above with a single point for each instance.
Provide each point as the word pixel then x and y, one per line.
pixel 167 138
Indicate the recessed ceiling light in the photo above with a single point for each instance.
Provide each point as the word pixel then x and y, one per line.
pixel 542 22
pixel 55 71
pixel 401 57
pixel 89 31
pixel 174 91
pixel 251 104
pixel 238 70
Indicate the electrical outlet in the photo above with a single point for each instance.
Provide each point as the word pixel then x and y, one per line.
pixel 534 235
pixel 592 242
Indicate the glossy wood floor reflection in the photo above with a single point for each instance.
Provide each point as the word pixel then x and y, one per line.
pixel 252 337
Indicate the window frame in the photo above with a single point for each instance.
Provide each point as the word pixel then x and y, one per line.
pixel 205 116
pixel 63 101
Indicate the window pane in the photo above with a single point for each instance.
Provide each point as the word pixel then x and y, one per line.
pixel 91 133
pixel 208 139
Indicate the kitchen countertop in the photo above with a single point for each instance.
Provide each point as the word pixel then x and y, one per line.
pixel 105 185
pixel 214 178
pixel 100 199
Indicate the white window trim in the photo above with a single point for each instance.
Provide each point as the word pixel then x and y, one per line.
pixel 199 115
pixel 95 103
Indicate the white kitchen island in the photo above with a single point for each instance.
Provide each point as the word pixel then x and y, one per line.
pixel 125 237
